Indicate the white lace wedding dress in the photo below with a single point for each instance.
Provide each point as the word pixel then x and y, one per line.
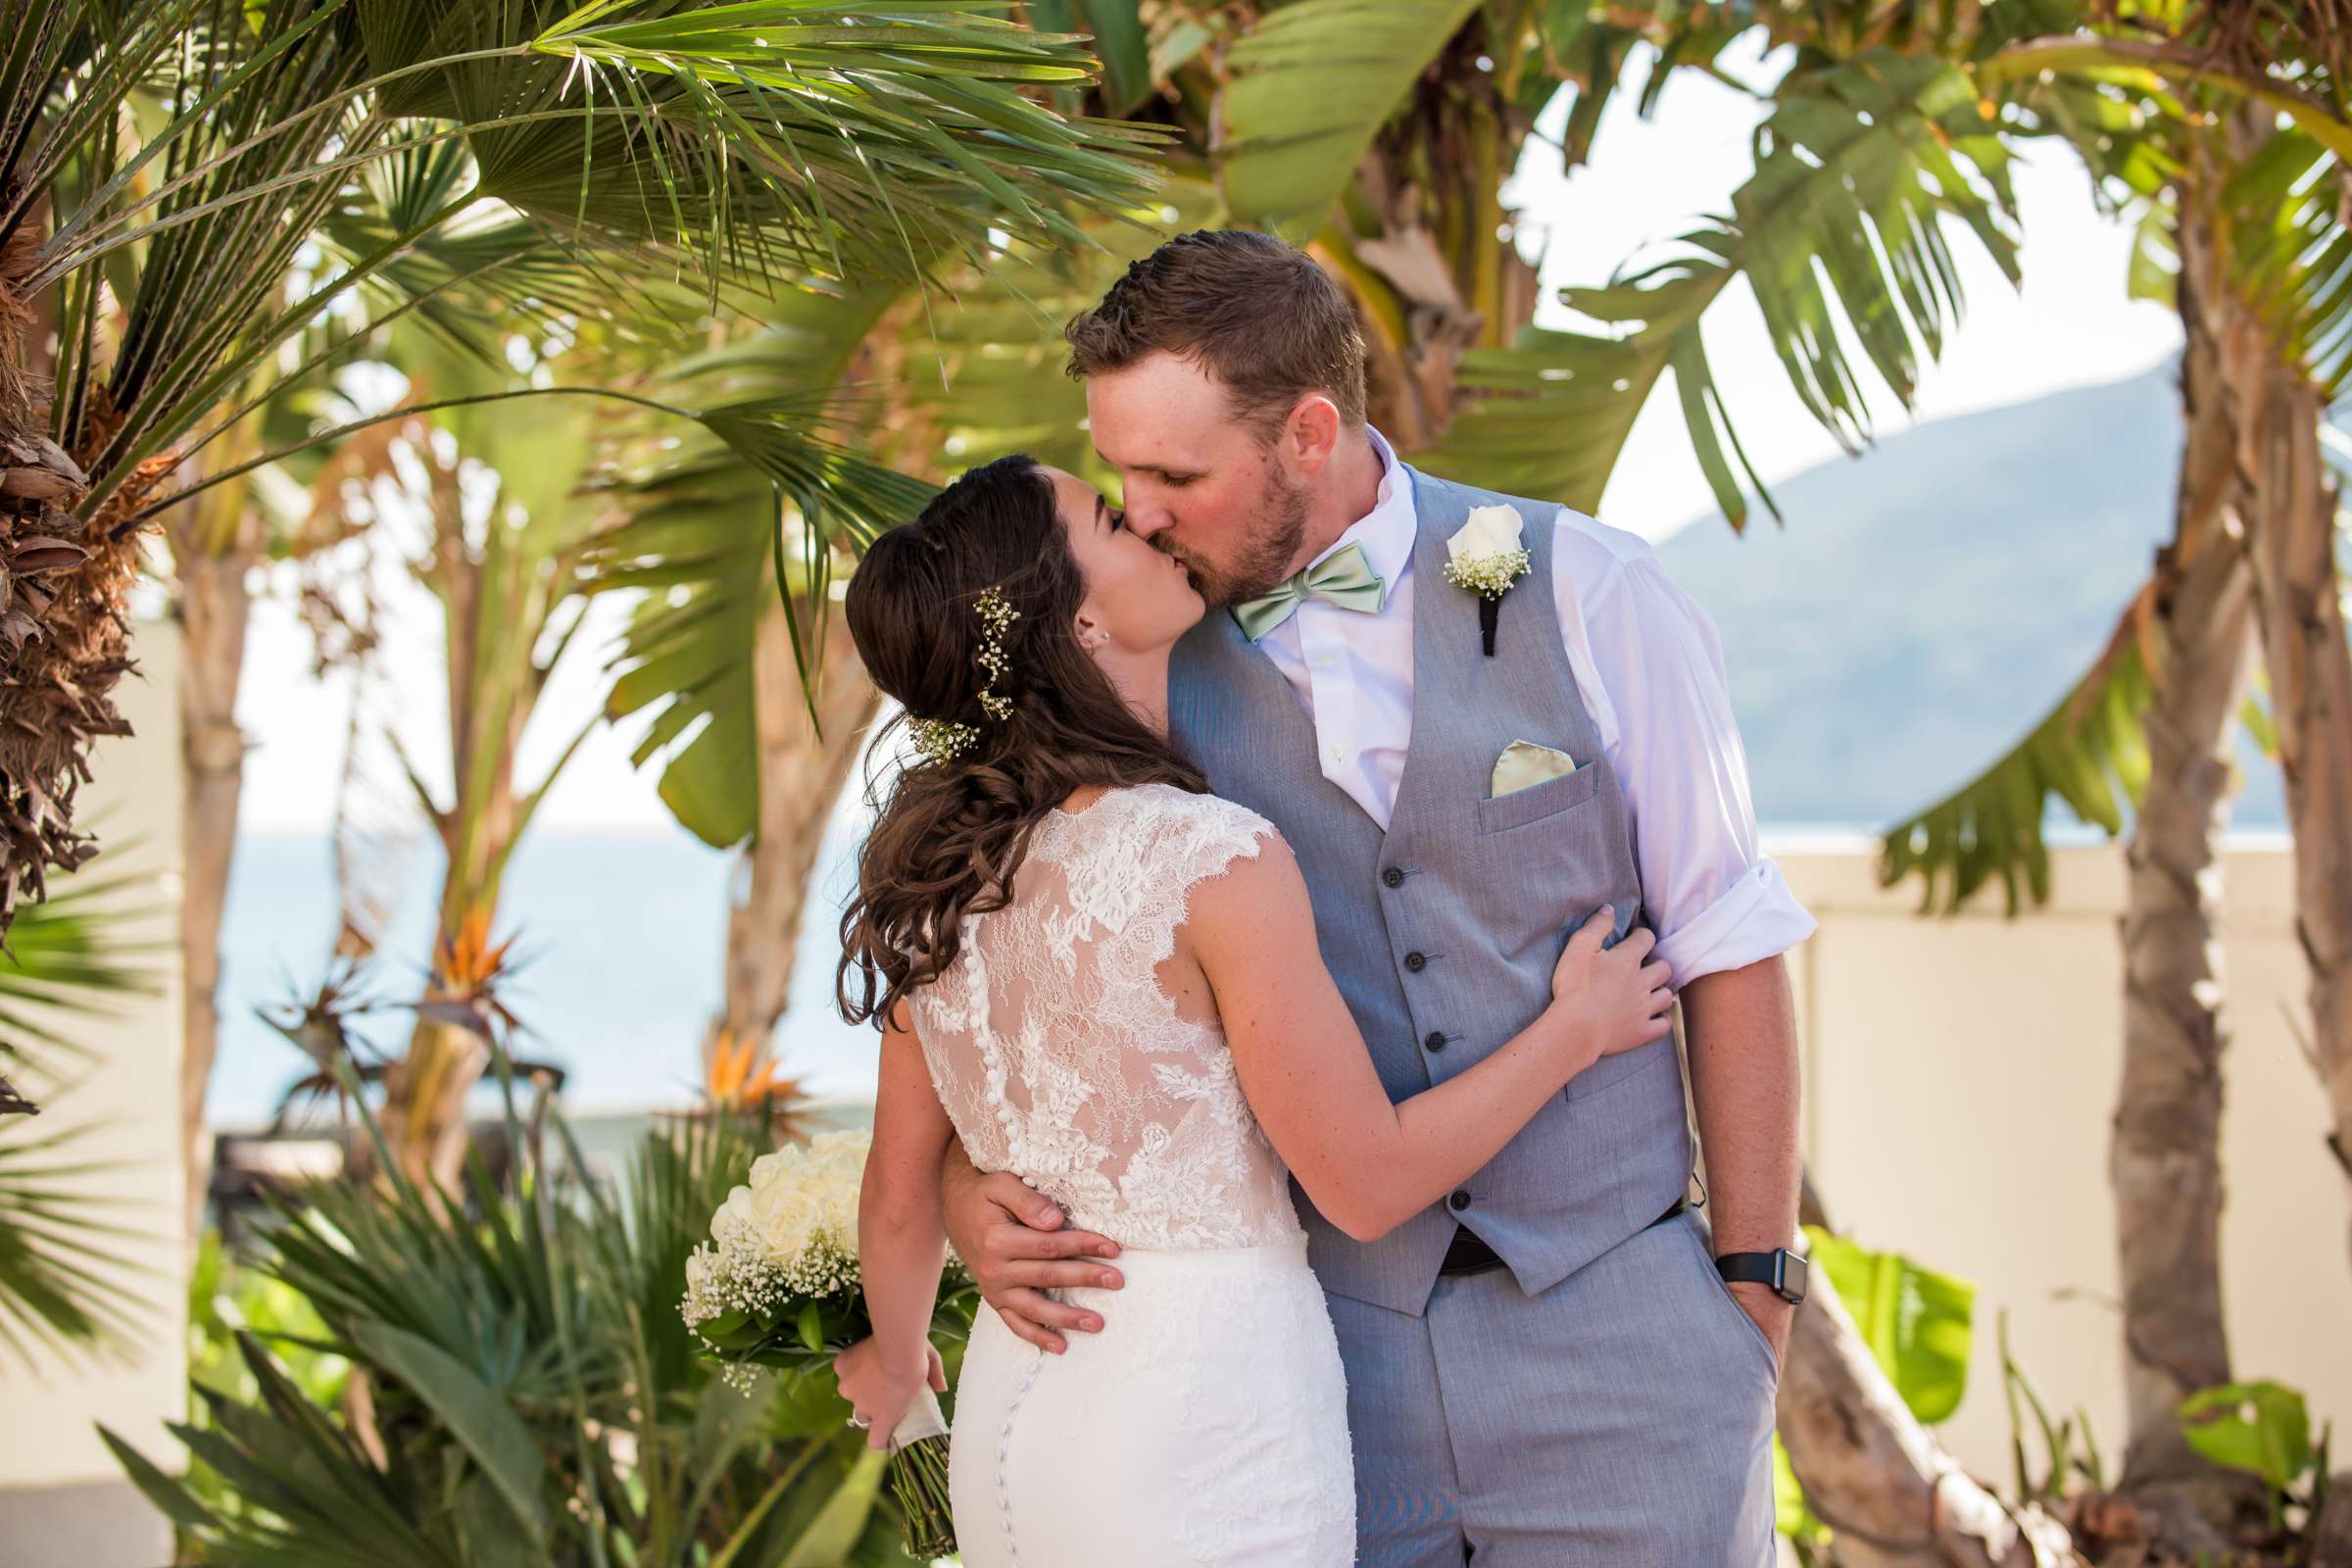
pixel 1208 1422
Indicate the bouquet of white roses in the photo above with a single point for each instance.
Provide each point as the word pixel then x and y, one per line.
pixel 777 1284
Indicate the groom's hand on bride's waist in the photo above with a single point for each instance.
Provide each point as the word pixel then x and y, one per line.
pixel 1012 1240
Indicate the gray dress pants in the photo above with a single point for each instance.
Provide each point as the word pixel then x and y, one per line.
pixel 1621 1418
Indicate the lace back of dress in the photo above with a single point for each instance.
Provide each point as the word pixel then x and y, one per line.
pixel 1060 1057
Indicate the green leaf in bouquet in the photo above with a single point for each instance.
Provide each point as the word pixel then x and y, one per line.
pixel 726 1331
pixel 812 1327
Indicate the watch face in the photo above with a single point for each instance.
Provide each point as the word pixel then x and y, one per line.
pixel 1795 1272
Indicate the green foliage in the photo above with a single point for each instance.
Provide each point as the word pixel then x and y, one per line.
pixel 1841 235
pixel 1312 83
pixel 2069 1446
pixel 62 1288
pixel 1792 1517
pixel 2263 1429
pixel 531 1395
pixel 1918 1323
pixel 701 536
pixel 2090 751
pixel 1919 1327
pixel 227 1298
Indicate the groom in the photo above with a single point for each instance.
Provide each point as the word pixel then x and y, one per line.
pixel 1548 1369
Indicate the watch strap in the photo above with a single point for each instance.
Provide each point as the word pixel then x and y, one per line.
pixel 1782 1270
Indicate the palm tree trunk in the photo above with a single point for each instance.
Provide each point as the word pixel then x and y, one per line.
pixel 2331 1531
pixel 2298 590
pixel 1876 1477
pixel 2164 1162
pixel 1870 1470
pixel 424 1103
pixel 801 775
pixel 213 610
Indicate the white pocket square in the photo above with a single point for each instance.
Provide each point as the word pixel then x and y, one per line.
pixel 1524 763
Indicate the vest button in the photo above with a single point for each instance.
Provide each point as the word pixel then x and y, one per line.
pixel 1415 962
pixel 1435 1042
pixel 1459 1201
pixel 1394 876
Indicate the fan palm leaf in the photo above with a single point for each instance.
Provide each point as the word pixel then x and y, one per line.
pixel 600 143
pixel 61 1287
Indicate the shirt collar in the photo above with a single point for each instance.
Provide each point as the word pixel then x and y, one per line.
pixel 1386 531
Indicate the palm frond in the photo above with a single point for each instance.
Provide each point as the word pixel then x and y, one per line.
pixel 1311 85
pixel 62 1281
pixel 65 1289
pixel 2089 752
pixel 1839 233
pixel 1588 47
pixel 67 957
pixel 2293 249
pixel 699 541
pixel 536 1397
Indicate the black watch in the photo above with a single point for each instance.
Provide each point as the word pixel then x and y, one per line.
pixel 1783 1270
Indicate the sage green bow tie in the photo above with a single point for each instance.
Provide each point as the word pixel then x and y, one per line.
pixel 1345 578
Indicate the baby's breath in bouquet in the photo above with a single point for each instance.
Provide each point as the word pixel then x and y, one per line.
pixel 778 1286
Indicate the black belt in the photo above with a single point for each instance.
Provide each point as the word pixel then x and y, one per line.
pixel 1469 1256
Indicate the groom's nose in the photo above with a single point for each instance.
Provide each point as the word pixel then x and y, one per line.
pixel 1146 517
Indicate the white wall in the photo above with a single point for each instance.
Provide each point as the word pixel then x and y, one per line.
pixel 1960 1081
pixel 48 1438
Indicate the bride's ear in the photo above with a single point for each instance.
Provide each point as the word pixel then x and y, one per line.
pixel 1092 633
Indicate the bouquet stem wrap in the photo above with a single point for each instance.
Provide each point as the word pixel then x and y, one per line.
pixel 918 1477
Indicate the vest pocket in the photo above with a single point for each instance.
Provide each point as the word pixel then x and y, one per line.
pixel 1538 802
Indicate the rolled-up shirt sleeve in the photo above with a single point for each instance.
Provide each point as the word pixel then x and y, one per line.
pixel 1650 668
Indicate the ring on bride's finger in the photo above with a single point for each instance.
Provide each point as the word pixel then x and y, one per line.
pixel 860 1421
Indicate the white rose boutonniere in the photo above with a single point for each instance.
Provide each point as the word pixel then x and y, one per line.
pixel 1486 556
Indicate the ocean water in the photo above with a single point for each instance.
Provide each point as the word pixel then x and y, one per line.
pixel 617 964
pixel 619 937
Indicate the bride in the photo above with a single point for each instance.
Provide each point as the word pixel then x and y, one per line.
pixel 1103 979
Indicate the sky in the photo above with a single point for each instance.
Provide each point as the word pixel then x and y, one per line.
pixel 2070 325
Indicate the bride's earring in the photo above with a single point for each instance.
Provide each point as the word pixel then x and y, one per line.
pixel 1090 635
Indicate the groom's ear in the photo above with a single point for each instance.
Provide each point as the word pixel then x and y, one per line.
pixel 1311 434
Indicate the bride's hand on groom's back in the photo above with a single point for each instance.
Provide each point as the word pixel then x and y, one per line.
pixel 1011 1237
pixel 1614 998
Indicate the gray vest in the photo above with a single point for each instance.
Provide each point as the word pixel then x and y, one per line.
pixel 1443 931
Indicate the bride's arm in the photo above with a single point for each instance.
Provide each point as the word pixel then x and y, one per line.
pixel 900 1244
pixel 1368 1164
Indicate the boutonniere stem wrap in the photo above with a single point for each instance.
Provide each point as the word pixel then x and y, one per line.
pixel 1484 556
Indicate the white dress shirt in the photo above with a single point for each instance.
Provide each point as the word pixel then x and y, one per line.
pixel 1651 672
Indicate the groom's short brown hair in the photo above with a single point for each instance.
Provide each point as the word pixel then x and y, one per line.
pixel 1254 313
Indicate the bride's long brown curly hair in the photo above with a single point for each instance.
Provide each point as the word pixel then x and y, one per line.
pixel 949 837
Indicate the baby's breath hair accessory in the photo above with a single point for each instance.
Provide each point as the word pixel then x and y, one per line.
pixel 943 740
pixel 995 616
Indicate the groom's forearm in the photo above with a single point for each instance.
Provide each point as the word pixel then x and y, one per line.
pixel 1740 1026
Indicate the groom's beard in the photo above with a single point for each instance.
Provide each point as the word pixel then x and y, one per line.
pixel 1264 559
